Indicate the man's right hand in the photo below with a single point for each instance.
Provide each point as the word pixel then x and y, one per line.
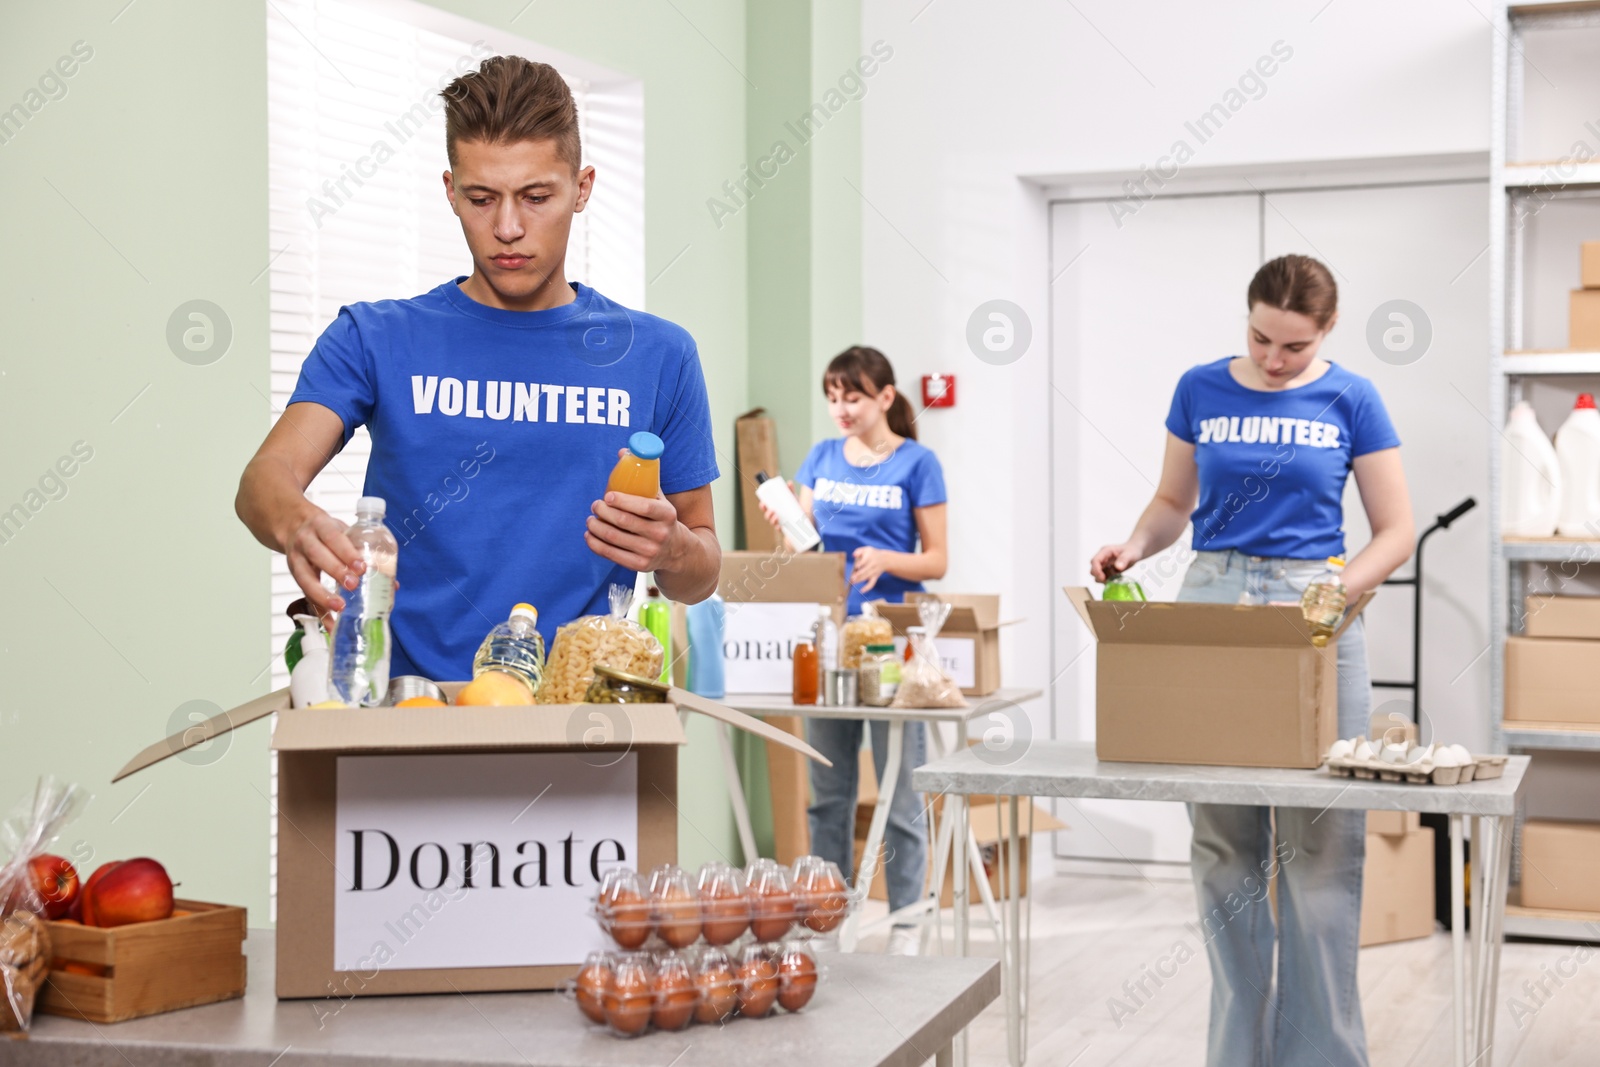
pixel 316 546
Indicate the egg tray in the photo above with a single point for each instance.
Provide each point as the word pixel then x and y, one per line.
pixel 777 985
pixel 764 927
pixel 1482 768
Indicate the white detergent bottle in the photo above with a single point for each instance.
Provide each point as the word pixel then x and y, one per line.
pixel 1578 450
pixel 1532 477
pixel 308 682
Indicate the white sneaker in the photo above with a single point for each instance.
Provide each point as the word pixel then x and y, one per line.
pixel 905 941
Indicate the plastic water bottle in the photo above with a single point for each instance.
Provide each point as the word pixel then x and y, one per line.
pixel 1578 451
pixel 1532 477
pixel 1120 587
pixel 358 672
pixel 1322 603
pixel 514 646
pixel 707 670
pixel 826 633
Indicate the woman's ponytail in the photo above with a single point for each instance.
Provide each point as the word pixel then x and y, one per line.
pixel 866 370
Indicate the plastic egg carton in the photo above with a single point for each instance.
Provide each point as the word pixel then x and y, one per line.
pixel 764 903
pixel 1398 761
pixel 632 993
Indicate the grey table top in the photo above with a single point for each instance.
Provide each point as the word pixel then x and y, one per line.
pixel 764 704
pixel 1069 769
pixel 869 1009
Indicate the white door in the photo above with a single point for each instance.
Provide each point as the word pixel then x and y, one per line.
pixel 1166 291
pixel 1143 302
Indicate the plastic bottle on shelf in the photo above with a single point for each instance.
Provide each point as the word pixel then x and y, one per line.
pixel 1578 453
pixel 358 670
pixel 515 647
pixel 1532 477
pixel 1323 602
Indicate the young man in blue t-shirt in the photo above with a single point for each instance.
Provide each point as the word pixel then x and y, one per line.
pixel 497 405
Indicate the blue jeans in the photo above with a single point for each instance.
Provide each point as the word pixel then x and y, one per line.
pixel 1314 1015
pixel 833 807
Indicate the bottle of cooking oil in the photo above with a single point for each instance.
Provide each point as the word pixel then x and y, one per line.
pixel 514 646
pixel 1322 603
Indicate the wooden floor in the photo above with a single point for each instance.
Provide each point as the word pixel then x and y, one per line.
pixel 1091 934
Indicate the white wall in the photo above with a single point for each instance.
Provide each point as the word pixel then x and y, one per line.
pixel 981 96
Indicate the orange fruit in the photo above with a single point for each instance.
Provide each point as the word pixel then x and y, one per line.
pixel 494 688
pixel 421 702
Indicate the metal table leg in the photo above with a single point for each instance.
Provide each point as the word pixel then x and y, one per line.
pixel 1458 955
pixel 880 823
pixel 1016 1052
pixel 1494 911
pixel 959 899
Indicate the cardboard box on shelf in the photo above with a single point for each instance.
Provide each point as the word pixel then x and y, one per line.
pixel 1562 616
pixel 1551 679
pixel 771 598
pixel 969 643
pixel 1397 888
pixel 1589 265
pixel 1561 865
pixel 1218 684
pixel 1393 823
pixel 399 867
pixel 991 826
pixel 755 452
pixel 1583 320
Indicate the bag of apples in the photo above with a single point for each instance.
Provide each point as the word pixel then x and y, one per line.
pixel 28 891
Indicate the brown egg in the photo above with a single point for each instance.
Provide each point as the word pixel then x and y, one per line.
pixel 627 1002
pixel 827 901
pixel 757 985
pixel 718 995
pixel 628 918
pixel 772 913
pixel 797 978
pixel 676 911
pixel 724 918
pixel 593 981
pixel 675 996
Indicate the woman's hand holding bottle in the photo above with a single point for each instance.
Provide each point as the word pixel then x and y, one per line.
pixel 1114 559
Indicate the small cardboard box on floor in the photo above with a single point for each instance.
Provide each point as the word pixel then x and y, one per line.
pixel 969 642
pixel 436 850
pixel 1217 684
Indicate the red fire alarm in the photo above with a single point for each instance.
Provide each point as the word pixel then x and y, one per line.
pixel 938 390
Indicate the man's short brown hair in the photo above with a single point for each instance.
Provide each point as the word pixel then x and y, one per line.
pixel 510 99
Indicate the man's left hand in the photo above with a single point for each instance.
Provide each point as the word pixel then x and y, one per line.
pixel 637 532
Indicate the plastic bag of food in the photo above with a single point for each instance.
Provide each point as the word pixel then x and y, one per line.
pixel 862 630
pixel 923 682
pixel 613 640
pixel 29 829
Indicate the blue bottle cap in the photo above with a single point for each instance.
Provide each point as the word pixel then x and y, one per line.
pixel 646 445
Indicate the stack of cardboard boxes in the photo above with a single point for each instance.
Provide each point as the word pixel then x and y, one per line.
pixel 1397 887
pixel 1583 320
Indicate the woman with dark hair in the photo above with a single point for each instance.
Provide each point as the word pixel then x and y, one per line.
pixel 1259 449
pixel 876 495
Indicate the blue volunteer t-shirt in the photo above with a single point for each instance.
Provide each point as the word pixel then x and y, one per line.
pixel 493 432
pixel 1273 465
pixel 872 506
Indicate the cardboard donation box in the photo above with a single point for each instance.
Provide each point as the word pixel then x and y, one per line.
pixel 1397 887
pixel 771 599
pixel 1561 865
pixel 1550 679
pixel 969 642
pixel 1576 617
pixel 756 452
pixel 435 850
pixel 1219 684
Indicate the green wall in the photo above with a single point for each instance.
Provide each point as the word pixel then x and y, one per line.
pixel 132 590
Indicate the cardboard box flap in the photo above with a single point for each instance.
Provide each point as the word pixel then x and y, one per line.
pixel 462 728
pixel 1162 623
pixel 749 723
pixel 199 734
pixel 783 577
pixel 968 611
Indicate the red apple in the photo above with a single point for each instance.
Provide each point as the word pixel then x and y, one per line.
pixel 56 881
pixel 86 897
pixel 133 891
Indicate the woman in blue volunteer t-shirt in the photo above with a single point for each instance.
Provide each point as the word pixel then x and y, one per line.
pixel 1258 452
pixel 876 495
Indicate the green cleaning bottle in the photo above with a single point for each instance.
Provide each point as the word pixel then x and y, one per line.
pixel 655 615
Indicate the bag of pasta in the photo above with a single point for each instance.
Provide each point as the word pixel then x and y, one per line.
pixel 613 640
pixel 923 682
pixel 25 953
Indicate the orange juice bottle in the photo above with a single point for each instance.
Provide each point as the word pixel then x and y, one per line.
pixel 806 675
pixel 639 472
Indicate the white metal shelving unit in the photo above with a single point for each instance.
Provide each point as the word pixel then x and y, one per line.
pixel 1513 184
